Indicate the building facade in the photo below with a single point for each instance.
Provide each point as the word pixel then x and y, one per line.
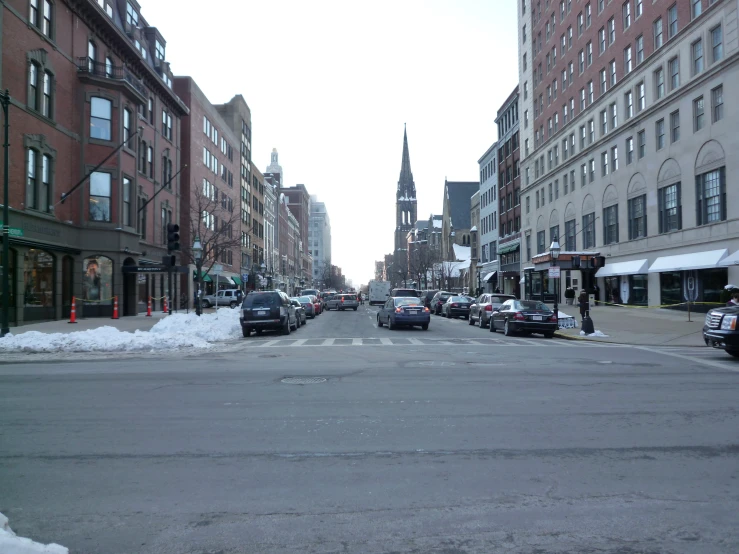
pixel 271 251
pixel 630 168
pixel 93 122
pixel 319 240
pixel 488 228
pixel 475 278
pixel 298 200
pixel 455 216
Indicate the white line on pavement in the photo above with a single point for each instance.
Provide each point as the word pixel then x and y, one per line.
pixel 386 342
pixel 299 342
pixel 711 363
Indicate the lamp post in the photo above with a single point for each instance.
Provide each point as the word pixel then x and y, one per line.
pixel 479 279
pixel 554 250
pixel 263 267
pixel 197 251
pixel 4 325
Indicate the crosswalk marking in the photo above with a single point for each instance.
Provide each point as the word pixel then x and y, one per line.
pixel 413 341
pixel 386 341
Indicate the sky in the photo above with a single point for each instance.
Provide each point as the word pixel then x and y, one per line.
pixel 330 84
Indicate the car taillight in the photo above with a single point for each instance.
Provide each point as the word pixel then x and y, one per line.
pixel 342 299
pixel 519 316
pixel 454 305
pixel 489 308
pixel 553 318
pixel 426 310
pixel 398 310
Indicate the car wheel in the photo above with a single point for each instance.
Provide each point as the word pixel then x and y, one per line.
pixel 506 329
pixel 448 314
pixel 205 304
pixel 390 324
pixel 245 332
pixel 425 326
pixel 232 305
pixel 549 334
pixel 379 323
pixel 480 323
pixel 286 327
pixel 491 326
pixel 470 320
pixel 355 309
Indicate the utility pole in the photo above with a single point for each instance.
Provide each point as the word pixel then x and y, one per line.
pixel 4 324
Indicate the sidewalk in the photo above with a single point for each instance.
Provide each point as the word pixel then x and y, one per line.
pixel 639 326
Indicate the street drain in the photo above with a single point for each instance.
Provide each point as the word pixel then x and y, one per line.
pixel 303 380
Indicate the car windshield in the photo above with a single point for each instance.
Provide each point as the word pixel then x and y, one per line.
pixel 407 301
pixel 531 305
pixel 444 296
pixel 265 299
pixel 458 299
pixel 500 299
pixel 306 300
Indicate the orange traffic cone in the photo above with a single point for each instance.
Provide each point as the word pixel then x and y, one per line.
pixel 115 307
pixel 164 305
pixel 148 308
pixel 73 312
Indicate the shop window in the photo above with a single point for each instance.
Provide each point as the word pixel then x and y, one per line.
pixel 712 282
pixel 13 282
pixel 638 290
pixel 38 285
pixel 671 288
pixel 97 283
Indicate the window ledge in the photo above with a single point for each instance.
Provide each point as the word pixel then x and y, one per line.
pixel 99 142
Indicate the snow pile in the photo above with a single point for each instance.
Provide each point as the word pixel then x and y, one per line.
pixel 596 334
pixel 10 543
pixel 171 333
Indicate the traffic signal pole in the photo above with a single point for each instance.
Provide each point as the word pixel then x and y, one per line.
pixel 173 245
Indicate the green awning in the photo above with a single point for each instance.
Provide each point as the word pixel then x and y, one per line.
pixel 206 277
pixel 236 280
pixel 508 248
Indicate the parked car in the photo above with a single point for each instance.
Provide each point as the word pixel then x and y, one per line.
pixel 456 306
pixel 483 307
pixel 405 292
pixel 332 302
pixel 267 310
pixel 300 314
pixel 404 311
pixel 524 316
pixel 309 292
pixel 427 297
pixel 721 329
pixel 347 301
pixel 309 304
pixel 438 301
pixel 229 297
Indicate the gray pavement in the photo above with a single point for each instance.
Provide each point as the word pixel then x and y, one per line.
pixel 444 444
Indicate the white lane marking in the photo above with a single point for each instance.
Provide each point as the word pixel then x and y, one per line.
pixel 328 342
pixel 356 342
pixel 299 342
pixel 416 342
pixel 268 343
pixel 711 363
pixel 386 342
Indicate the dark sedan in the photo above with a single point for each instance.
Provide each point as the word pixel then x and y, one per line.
pixel 524 316
pixel 721 329
pixel 404 311
pixel 456 306
pixel 438 301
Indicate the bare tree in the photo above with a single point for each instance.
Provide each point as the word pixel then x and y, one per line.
pixel 216 222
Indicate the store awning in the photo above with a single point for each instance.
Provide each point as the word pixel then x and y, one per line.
pixel 489 276
pixel 505 249
pixel 206 277
pixel 730 260
pixel 634 267
pixel 688 262
pixel 236 280
pixel 223 280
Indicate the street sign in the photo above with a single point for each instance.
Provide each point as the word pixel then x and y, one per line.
pixel 245 277
pixel 217 268
pixel 13 231
pixel 554 272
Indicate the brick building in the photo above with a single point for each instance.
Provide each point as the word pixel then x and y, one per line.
pixel 629 161
pixel 299 203
pixel 85 78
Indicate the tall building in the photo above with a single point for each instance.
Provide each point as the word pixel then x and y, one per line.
pixel 274 170
pixel 319 239
pixel 257 220
pixel 488 230
pixel 85 78
pixel 509 196
pixel 271 250
pixel 298 201
pixel 405 205
pixel 628 169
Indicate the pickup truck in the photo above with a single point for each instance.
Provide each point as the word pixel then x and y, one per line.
pixel 230 297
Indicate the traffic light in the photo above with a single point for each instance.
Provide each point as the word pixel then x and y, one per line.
pixel 173 237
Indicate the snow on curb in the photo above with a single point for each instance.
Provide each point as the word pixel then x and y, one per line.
pixel 596 334
pixel 10 543
pixel 172 332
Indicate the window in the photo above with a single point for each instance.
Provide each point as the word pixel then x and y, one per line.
pixel 591 131
pixel 582 137
pixel 629 104
pixel 629 150
pixel 659 83
pixel 659 132
pixel 638 217
pixel 626 13
pixel 150 161
pixel 695 8
pixel 603 81
pixel 151 111
pixel 166 125
pixel 570 236
pixel 583 174
pixel 581 61
pixel 601 40
pixel 44 23
pixel 641 143
pixel 627 60
pixel 591 163
pixel 91 56
pixel 108 66
pixel 579 24
pixel 565 184
pixel 100 118
pixel 127 126
pixel 588 15
pixel 675 126
pixel 551 198
pixel 611 31
pixel 610 225
pixel 589 53
pixel 657 31
pixel 604 163
pixel 33 95
pixel 554 234
pixel 711 196
pixel 613 73
pixel 541 242
pixel 698 114
pixel 672 21
pixel 639 49
pixel 669 208
pixel 641 96
pixel 132 16
pixel 697 53
pixel 569 37
pixel 717 44
pixel 31 180
pixel 588 233
pixel 603 122
pixel 142 156
pixel 582 99
pixel 40 90
pixel 717 103
pixel 126 201
pixel 674 66
pixel 159 49
pixel 639 9
pixel 614 159
pixel 100 196
pixel 601 4
pixel 591 96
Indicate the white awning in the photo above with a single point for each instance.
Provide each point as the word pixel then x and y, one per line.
pixel 688 262
pixel 489 276
pixel 731 260
pixel 634 267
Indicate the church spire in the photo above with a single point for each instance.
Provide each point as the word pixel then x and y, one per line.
pixel 406 186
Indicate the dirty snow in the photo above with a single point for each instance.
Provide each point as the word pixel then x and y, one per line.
pixel 172 332
pixel 10 543
pixel 596 334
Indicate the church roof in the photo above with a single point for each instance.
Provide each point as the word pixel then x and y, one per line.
pixel 459 194
pixel 406 186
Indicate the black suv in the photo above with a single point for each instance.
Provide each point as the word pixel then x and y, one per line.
pixel 267 310
pixel 413 293
pixel 721 329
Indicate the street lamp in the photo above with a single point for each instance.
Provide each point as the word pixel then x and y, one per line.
pixel 263 267
pixel 479 278
pixel 4 325
pixel 554 250
pixel 197 251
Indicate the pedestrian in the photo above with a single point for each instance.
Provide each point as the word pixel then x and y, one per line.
pixel 734 300
pixel 584 303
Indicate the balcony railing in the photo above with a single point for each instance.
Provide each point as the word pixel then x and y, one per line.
pixel 113 72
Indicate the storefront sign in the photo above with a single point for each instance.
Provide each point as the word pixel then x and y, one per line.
pixel 152 269
pixel 13 231
pixel 554 272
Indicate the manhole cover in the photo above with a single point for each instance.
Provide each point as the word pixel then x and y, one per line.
pixel 303 380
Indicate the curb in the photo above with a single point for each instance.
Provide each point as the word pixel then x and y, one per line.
pixel 563 336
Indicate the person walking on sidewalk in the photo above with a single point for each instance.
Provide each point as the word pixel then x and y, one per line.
pixel 584 303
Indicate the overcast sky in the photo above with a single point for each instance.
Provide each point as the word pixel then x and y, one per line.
pixel 331 83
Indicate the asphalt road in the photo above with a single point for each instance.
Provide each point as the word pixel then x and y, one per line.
pixel 451 440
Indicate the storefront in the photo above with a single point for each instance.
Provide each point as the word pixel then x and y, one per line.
pixel 509 275
pixel 697 277
pixel 577 271
pixel 489 276
pixel 624 282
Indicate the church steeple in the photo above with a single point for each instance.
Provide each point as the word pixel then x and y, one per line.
pixel 406 186
pixel 405 203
